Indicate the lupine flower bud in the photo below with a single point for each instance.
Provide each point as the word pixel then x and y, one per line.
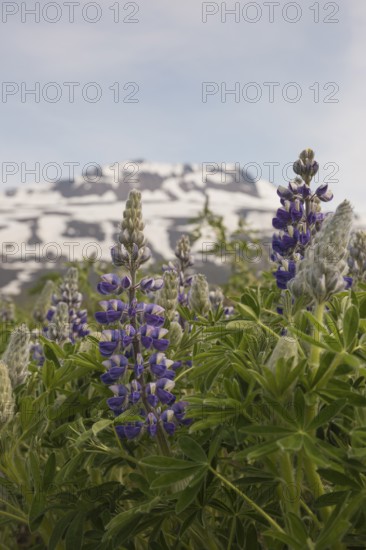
pixel 59 328
pixel 283 359
pixel 16 355
pixel 306 166
pixel 216 298
pixel 175 333
pixel 7 310
pixel 168 295
pixel 183 251
pixel 7 401
pixel 198 297
pixel 322 271
pixel 357 256
pixel 43 302
pixel 132 227
pixel 285 349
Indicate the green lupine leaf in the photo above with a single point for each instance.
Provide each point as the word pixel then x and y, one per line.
pixel 101 425
pixel 37 510
pixel 297 528
pixel 285 538
pixel 331 499
pixel 48 370
pixel 350 327
pixel 167 463
pixel 257 451
pixel 338 478
pixel 49 471
pixel 192 449
pixel 75 533
pixel 326 414
pixel 246 311
pixel 189 494
pixel 250 300
pixel 60 529
pixel 273 430
pixel 166 480
pixel 307 338
pixel 313 453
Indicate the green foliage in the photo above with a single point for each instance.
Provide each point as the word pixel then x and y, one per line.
pixel 275 457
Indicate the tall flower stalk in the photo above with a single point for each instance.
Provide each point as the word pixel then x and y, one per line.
pixel 298 219
pixel 138 372
pixel 181 266
pixel 69 295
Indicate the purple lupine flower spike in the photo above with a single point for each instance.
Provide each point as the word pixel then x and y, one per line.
pixel 136 339
pixel 299 218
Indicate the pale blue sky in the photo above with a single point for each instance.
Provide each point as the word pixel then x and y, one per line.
pixel 169 53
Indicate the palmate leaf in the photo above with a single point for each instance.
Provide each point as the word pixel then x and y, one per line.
pixel 339 521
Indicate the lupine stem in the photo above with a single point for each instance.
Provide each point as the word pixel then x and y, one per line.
pixel 315 350
pixel 315 484
pixel 312 475
pixel 289 479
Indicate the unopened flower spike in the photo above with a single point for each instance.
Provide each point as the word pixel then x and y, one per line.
pixel 181 266
pixel 323 271
pixel 175 333
pixel 357 256
pixel 168 295
pixel 16 355
pixel 199 299
pixel 285 348
pixel 131 252
pixel 7 401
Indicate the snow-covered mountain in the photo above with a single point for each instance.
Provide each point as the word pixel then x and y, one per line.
pixel 41 224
